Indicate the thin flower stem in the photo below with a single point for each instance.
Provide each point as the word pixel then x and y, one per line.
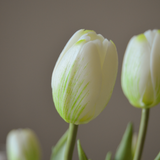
pixel 142 133
pixel 71 141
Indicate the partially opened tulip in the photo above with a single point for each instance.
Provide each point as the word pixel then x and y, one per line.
pixel 84 77
pixel 141 70
pixel 22 144
pixel 83 80
pixel 141 78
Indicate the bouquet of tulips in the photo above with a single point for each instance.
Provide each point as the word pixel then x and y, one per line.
pixel 82 83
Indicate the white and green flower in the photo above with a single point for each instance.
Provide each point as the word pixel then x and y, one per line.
pixel 84 77
pixel 22 144
pixel 141 70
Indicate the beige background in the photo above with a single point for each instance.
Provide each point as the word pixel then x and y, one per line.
pixel 32 35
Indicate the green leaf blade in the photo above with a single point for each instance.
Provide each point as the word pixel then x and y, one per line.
pixel 81 153
pixel 158 157
pixel 58 150
pixel 108 156
pixel 124 151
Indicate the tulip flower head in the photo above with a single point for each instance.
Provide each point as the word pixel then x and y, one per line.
pixel 84 77
pixel 141 70
pixel 22 144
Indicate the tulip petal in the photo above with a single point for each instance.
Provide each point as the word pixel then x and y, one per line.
pixel 155 68
pixel 136 77
pixel 109 73
pixel 77 81
pixel 150 35
pixel 100 50
pixel 69 44
pixel 61 75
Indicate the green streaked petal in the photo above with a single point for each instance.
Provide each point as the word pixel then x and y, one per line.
pixel 136 77
pixel 61 77
pixel 76 83
pixel 140 72
pixel 69 44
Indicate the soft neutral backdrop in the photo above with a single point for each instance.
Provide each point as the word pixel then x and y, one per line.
pixel 33 34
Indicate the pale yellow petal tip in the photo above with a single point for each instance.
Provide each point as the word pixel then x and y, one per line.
pixel 113 43
pixel 87 31
pixel 80 41
pixel 159 31
pixel 141 37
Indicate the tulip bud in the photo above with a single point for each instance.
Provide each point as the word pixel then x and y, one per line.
pixel 84 77
pixel 22 144
pixel 141 70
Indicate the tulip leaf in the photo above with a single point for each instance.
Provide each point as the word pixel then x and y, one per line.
pixel 81 153
pixel 124 151
pixel 158 157
pixel 58 150
pixel 108 156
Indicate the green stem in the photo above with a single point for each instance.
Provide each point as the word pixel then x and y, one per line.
pixel 142 134
pixel 71 141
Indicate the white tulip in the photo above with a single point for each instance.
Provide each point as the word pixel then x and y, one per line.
pixel 84 76
pixel 141 70
pixel 22 144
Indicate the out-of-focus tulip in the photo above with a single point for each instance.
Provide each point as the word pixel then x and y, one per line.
pixel 22 144
pixel 84 76
pixel 141 70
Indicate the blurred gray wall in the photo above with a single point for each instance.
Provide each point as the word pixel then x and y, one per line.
pixel 33 34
